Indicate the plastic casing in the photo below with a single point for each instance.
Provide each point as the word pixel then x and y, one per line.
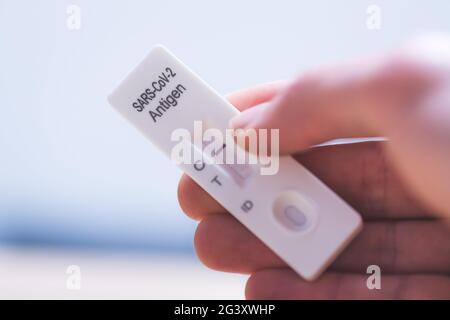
pixel 332 223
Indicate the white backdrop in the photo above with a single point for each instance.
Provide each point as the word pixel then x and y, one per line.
pixel 73 171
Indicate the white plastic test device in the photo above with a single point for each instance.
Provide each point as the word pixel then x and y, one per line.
pixel 292 212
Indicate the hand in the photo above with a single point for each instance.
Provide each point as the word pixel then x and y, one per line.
pixel 401 186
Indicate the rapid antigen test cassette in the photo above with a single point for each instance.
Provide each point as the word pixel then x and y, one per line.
pixel 292 212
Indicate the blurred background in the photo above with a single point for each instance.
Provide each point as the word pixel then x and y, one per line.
pixel 80 189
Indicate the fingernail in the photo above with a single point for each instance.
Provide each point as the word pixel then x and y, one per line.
pixel 248 118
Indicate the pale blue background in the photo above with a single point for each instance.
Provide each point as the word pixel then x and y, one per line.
pixel 73 172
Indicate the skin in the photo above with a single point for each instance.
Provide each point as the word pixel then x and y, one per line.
pixel 400 186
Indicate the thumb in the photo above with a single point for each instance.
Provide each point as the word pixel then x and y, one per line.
pixel 310 110
pixel 345 101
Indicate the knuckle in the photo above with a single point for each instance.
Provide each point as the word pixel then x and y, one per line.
pixel 398 69
pixel 396 83
pixel 402 75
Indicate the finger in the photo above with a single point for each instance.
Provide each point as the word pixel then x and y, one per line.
pixel 195 201
pixel 350 100
pixel 250 97
pixel 358 172
pixel 285 284
pixel 222 243
pixel 420 151
pixel 363 176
